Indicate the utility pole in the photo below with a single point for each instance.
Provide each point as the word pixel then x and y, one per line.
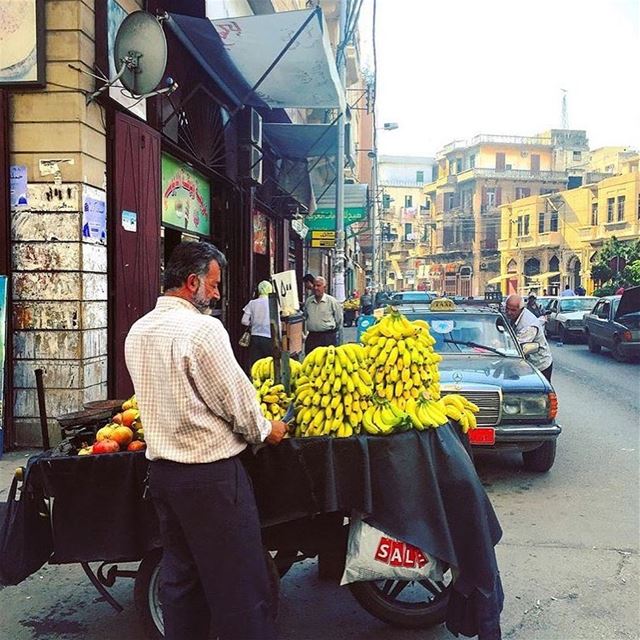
pixel 339 263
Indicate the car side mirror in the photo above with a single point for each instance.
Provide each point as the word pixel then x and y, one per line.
pixel 530 347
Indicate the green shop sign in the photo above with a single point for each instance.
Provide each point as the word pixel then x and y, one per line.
pixel 186 197
pixel 355 208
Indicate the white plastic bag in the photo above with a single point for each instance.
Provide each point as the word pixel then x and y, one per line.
pixel 373 555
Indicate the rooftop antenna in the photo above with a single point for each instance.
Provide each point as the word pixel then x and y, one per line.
pixel 565 111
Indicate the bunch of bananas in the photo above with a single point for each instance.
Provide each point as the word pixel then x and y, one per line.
pixel 351 304
pixel 333 392
pixel 401 359
pixel 458 408
pixel 262 370
pixel 273 399
pixel 383 418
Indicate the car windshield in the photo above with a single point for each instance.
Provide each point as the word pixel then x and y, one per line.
pixel 577 304
pixel 467 333
pixel 412 296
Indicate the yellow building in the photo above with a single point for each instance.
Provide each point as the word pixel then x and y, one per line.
pixel 549 241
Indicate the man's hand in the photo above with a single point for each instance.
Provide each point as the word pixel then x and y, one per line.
pixel 278 431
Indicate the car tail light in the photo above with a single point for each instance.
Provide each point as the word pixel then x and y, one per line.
pixel 553 406
pixel 627 337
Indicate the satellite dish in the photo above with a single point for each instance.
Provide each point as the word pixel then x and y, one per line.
pixel 140 53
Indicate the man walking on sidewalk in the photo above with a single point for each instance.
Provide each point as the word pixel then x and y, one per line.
pixel 323 316
pixel 200 411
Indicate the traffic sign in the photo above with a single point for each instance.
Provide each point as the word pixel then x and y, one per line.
pixel 323 244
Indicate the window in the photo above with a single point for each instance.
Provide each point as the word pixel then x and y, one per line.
pixel 408 202
pixel 526 225
pixel 452 167
pixel 522 192
pixel 448 201
pixel 577 156
pixel 427 204
pixel 621 201
pixel 604 312
pixel 459 165
pixel 419 177
pixel 553 221
pixel 541 222
pixel 500 161
pixel 408 231
pixel 610 205
pixel 491 197
pixel 519 232
pixel 472 161
pixel 434 173
pixel 594 214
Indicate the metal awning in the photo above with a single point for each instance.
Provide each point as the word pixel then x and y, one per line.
pixel 302 141
pixel 293 178
pixel 283 59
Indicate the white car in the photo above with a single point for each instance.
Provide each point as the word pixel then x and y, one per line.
pixel 565 316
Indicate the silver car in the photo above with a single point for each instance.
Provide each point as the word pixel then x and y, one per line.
pixel 565 316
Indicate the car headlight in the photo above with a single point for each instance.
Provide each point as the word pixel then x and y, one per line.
pixel 525 405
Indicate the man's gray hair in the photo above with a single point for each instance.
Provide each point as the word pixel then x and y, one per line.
pixel 188 258
pixel 320 280
pixel 514 298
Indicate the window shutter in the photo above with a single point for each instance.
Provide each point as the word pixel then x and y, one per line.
pixel 498 196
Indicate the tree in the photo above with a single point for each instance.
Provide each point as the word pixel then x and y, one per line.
pixel 616 264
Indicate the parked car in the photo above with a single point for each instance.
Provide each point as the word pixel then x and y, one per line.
pixel 483 361
pixel 614 324
pixel 410 297
pixel 565 316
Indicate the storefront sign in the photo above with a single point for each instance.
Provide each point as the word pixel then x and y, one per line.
pixel 186 197
pixel 94 215
pixel 355 208
pixel 18 186
pixel 260 224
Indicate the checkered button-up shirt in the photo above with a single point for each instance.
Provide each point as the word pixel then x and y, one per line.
pixel 196 404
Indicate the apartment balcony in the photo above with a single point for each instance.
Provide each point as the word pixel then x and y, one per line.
pixel 484 138
pixel 522 175
pixel 551 239
pixel 588 233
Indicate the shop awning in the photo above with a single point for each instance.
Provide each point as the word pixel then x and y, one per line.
pixel 544 276
pixel 497 279
pixel 283 59
pixel 302 141
pixel 293 178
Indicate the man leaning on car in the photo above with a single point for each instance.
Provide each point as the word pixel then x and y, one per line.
pixel 529 329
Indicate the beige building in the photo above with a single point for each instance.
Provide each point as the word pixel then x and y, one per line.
pixel 548 242
pixel 402 221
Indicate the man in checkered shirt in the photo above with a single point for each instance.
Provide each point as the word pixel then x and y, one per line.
pixel 199 411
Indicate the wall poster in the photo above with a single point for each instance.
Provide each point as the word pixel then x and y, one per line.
pixel 260 226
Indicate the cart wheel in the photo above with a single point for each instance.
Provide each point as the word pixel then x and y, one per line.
pixel 146 593
pixel 411 605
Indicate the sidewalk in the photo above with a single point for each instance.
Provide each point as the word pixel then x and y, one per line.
pixel 8 464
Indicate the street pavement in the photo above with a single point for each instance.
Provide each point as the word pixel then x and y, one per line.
pixel 569 555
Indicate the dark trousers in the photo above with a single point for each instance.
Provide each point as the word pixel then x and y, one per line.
pixel 320 339
pixel 259 347
pixel 547 372
pixel 213 571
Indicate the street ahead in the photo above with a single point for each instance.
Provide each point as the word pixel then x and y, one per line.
pixel 569 555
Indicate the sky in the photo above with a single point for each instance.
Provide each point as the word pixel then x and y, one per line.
pixel 451 69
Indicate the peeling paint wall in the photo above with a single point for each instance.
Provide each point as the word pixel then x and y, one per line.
pixel 59 305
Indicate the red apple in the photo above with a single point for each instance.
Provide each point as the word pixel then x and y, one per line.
pixel 122 435
pixel 106 446
pixel 137 445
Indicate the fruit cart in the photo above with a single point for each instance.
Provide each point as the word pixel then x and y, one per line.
pixel 416 486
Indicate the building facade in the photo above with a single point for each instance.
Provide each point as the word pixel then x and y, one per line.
pixel 102 189
pixel 402 215
pixel 472 180
pixel 548 242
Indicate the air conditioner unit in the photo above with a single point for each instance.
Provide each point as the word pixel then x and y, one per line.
pixel 250 127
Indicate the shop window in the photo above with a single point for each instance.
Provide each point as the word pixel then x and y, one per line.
pixel 594 214
pixel 553 221
pixel 610 206
pixel 541 222
pixel 621 201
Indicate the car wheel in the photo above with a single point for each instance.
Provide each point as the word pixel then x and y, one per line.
pixel 617 353
pixel 540 459
pixel 594 347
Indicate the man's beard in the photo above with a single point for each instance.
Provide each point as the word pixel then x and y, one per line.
pixel 200 300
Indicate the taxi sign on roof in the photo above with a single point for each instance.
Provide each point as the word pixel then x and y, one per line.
pixel 442 304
